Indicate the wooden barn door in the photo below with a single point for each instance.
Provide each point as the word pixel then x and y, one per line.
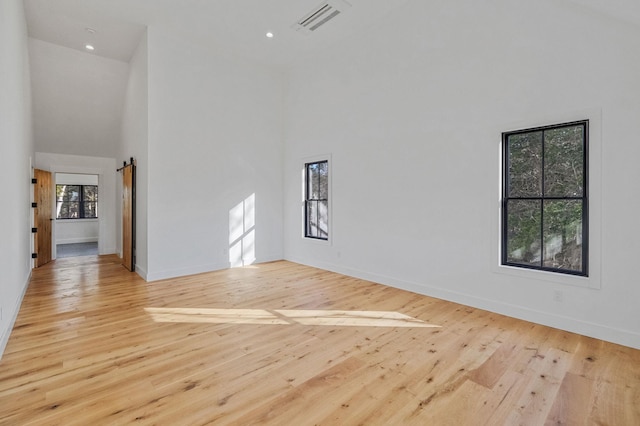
pixel 42 197
pixel 128 215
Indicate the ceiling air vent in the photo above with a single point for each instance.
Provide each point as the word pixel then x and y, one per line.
pixel 320 15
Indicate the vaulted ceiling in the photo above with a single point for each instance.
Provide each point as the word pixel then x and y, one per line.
pixel 236 25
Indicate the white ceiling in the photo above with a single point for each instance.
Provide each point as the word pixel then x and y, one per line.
pixel 234 25
pixel 65 23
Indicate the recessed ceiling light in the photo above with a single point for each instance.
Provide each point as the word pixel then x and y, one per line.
pixel 89 47
pixel 270 35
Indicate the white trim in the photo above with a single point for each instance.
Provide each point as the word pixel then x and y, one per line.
pixel 303 162
pixel 7 331
pixel 77 240
pixel 197 269
pixel 141 271
pixel 624 337
pixel 594 115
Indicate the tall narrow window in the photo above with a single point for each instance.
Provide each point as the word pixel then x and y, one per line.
pixel 317 200
pixel 545 198
pixel 76 201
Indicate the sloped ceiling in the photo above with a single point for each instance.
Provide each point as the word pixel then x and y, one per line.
pixel 66 22
pixel 236 25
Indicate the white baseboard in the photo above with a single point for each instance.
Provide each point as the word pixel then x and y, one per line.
pixel 6 333
pixel 181 272
pixel 109 250
pixel 199 269
pixel 620 336
pixel 142 272
pixel 77 240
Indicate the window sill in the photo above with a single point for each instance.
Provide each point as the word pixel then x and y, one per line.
pixel 317 241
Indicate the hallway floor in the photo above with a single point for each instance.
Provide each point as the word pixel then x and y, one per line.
pixel 76 249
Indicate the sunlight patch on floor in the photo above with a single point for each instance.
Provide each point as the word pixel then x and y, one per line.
pixel 287 316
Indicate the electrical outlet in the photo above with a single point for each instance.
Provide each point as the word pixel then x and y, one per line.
pixel 558 296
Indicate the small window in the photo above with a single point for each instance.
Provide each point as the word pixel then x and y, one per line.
pixel 76 201
pixel 317 200
pixel 545 198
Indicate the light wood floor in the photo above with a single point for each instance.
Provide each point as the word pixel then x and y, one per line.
pixel 285 344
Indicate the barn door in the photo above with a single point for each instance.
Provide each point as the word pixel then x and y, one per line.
pixel 128 215
pixel 42 197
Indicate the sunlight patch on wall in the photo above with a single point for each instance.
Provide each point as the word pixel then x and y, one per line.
pixel 242 234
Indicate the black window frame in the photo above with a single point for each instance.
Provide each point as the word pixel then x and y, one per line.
pixel 584 272
pixel 81 202
pixel 308 200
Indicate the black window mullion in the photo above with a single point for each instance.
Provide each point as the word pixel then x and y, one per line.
pixel 542 246
pixel 542 198
pixel 81 206
pixel 317 218
pixel 585 196
pixel 307 201
pixel 506 166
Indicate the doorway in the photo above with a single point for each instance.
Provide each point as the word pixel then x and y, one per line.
pixel 76 214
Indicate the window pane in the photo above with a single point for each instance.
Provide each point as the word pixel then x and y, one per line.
pixel 73 209
pixel 323 219
pixel 90 193
pixel 63 210
pixel 312 218
pixel 563 234
pixel 317 180
pixel 525 164
pixel 317 219
pixel 523 232
pixel 313 189
pixel 72 193
pixel 563 162
pixel 68 192
pixel 323 180
pixel 90 209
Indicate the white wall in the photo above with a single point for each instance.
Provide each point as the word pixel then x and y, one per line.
pixel 77 100
pixel 75 179
pixel 412 114
pixel 134 143
pixel 16 151
pixel 70 231
pixel 105 168
pixel 215 139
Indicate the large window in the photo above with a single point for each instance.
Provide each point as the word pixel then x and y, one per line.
pixel 317 200
pixel 76 201
pixel 545 198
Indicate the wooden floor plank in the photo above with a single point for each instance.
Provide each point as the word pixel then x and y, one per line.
pixel 285 344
